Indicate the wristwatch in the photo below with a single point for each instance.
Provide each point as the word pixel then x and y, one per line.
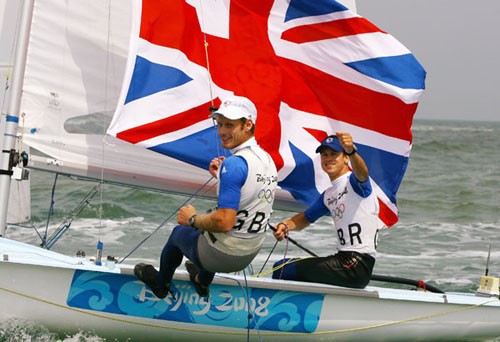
pixel 191 220
pixel 354 150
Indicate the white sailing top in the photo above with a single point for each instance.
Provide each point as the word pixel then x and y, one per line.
pixel 254 205
pixel 354 213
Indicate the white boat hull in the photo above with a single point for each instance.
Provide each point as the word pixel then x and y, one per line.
pixel 113 303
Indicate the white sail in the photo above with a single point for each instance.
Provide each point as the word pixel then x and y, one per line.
pixel 19 202
pixel 71 87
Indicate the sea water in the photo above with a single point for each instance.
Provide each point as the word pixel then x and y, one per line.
pixel 449 204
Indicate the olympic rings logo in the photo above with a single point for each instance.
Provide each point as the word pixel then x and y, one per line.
pixel 266 194
pixel 339 211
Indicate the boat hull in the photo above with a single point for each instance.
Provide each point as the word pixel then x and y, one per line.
pixel 114 304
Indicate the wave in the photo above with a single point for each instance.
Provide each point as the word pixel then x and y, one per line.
pixel 454 126
pixel 432 128
pixel 15 330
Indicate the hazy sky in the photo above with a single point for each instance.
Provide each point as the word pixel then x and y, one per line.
pixel 457 42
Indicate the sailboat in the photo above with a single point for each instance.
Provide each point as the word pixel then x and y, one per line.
pixel 82 83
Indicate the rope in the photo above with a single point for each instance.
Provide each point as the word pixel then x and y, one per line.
pixel 272 270
pixel 265 262
pixel 329 332
pixel 103 150
pixel 284 255
pixel 210 80
pixel 292 260
pixel 51 209
pixel 168 218
pixel 251 316
pixel 417 318
pixel 217 140
pixel 205 45
pixel 115 319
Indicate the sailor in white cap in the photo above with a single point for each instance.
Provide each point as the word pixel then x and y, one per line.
pixel 228 238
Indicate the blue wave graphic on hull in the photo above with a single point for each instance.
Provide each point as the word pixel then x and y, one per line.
pixel 273 310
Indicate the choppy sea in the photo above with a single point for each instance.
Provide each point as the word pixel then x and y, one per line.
pixel 449 204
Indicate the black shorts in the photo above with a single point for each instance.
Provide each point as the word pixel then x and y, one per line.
pixel 349 269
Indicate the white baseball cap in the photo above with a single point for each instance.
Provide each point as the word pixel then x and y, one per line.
pixel 237 107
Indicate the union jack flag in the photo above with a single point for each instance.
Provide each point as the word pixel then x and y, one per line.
pixel 311 67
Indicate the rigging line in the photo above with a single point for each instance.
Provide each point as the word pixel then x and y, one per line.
pixel 374 277
pixel 291 260
pixel 250 315
pixel 20 137
pixel 105 316
pixel 284 255
pixel 288 262
pixel 205 45
pixel 7 78
pixel 103 150
pixel 51 210
pixel 210 80
pixel 218 143
pixel 265 262
pixel 68 220
pixel 296 243
pixel 188 200
pixel 408 320
pixel 250 311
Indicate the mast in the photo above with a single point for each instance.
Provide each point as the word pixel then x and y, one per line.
pixel 12 114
